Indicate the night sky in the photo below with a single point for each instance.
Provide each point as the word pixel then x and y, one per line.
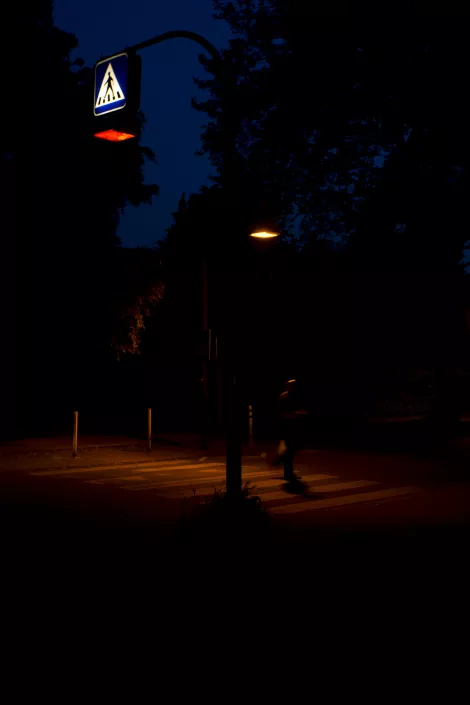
pixel 105 27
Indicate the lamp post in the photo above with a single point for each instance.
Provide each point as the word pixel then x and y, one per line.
pixel 203 441
pixel 232 397
pixel 235 411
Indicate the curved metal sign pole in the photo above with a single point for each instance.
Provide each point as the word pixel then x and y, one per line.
pixel 233 436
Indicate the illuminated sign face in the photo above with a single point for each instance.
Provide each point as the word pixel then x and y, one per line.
pixel 111 84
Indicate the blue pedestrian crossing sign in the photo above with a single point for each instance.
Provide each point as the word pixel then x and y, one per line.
pixel 111 84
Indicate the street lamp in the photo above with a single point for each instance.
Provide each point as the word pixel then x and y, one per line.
pixel 259 231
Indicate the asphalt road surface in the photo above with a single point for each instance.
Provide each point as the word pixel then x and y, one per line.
pixel 323 484
pixel 353 515
pixel 335 488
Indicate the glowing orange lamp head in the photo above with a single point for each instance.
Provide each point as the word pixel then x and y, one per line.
pixel 264 234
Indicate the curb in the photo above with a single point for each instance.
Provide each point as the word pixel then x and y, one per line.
pixel 88 467
pixel 62 449
pixel 127 463
pixel 138 443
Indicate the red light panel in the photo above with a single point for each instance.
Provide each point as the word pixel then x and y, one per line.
pixel 114 136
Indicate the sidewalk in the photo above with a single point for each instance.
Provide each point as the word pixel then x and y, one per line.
pixel 48 453
pixel 216 444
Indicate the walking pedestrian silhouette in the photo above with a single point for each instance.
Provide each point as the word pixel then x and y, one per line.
pixel 109 87
pixel 109 94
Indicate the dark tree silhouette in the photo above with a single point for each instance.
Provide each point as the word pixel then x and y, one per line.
pixel 71 189
pixel 323 94
pixel 353 117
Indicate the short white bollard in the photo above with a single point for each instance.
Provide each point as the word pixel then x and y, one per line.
pixel 75 435
pixel 149 429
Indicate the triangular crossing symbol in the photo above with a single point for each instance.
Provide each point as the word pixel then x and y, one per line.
pixel 110 91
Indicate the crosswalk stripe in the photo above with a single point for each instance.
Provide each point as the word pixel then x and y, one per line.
pixel 341 501
pixel 192 466
pixel 220 479
pixel 61 473
pixel 141 467
pixel 277 481
pixel 129 464
pixel 195 481
pixel 206 488
pixel 115 480
pixel 215 469
pixel 189 484
pixel 340 486
pixel 323 489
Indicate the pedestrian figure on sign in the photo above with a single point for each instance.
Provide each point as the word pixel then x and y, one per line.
pixel 109 85
pixel 291 418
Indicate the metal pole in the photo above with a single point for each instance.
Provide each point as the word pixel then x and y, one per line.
pixel 203 441
pixel 234 410
pixel 177 34
pixel 233 460
pixel 149 429
pixel 75 435
pixel 204 296
pixel 250 425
